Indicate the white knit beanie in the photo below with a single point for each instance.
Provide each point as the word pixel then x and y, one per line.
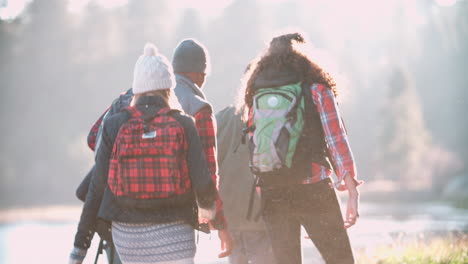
pixel 152 72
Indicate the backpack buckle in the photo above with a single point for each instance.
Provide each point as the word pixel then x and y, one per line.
pixel 245 131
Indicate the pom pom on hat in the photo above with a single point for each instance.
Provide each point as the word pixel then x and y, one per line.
pixel 152 71
pixel 150 50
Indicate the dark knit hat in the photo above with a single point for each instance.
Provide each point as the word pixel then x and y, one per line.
pixel 190 56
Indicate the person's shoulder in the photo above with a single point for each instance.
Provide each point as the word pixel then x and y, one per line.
pixel 121 102
pixel 117 119
pixel 228 111
pixel 182 117
pixel 320 87
pixel 180 114
pixel 320 90
pixel 205 109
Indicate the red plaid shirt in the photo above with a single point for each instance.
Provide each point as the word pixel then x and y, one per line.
pixel 206 126
pixel 94 131
pixel 336 138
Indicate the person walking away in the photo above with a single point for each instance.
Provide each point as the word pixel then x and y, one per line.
pixel 103 227
pixel 191 65
pixel 252 244
pixel 150 181
pixel 297 140
pixel 94 136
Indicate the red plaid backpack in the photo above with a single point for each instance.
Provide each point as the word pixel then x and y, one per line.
pixel 149 157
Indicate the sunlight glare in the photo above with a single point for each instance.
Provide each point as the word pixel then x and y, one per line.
pixel 446 2
pixel 77 6
pixel 111 3
pixel 206 7
pixel 11 9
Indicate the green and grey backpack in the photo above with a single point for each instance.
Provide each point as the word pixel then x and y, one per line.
pixel 275 127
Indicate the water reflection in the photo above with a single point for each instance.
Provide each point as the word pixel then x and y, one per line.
pixel 38 237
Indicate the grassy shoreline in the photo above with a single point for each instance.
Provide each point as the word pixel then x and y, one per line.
pixel 451 248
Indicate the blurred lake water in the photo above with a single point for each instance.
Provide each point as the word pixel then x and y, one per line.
pixel 45 235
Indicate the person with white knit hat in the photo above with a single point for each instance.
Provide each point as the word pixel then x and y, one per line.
pixel 152 72
pixel 149 180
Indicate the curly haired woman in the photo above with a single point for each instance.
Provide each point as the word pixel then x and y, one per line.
pixel 307 197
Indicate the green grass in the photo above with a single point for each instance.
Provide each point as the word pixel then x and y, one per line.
pixel 461 203
pixel 453 250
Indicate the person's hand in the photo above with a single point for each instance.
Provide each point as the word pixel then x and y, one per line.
pixel 74 261
pixel 206 214
pixel 227 243
pixel 77 256
pixel 352 210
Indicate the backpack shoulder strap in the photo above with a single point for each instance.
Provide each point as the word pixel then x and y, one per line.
pixel 306 90
pixel 298 100
pixel 309 105
pixel 99 250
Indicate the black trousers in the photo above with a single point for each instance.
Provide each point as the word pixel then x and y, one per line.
pixel 315 207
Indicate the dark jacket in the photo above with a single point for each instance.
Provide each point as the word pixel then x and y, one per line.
pixel 117 106
pixel 100 201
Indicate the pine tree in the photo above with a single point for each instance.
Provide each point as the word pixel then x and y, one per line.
pixel 404 139
pixel 233 41
pixel 39 128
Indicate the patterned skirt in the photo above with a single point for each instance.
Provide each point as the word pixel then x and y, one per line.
pixel 146 243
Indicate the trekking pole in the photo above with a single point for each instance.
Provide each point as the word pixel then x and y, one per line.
pixel 99 251
pixel 112 250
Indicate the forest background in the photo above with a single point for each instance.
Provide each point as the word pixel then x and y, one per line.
pixel 400 68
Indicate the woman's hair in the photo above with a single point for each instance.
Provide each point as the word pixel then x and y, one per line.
pixel 166 94
pixel 283 53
